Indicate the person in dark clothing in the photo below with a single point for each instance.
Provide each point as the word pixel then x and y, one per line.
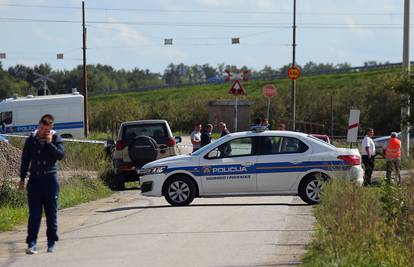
pixel 223 129
pixel 41 151
pixel 206 135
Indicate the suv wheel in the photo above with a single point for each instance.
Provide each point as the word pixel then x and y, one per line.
pixel 142 149
pixel 310 188
pixel 179 191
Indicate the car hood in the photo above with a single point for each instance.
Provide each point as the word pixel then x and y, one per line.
pixel 170 160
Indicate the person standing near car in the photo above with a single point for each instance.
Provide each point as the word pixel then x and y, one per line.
pixel 196 137
pixel 223 129
pixel 368 155
pixel 206 135
pixel 41 151
pixel 393 157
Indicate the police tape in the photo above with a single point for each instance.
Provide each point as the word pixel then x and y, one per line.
pixel 86 141
pixel 64 139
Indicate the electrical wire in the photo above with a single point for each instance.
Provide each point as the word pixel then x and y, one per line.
pixel 205 11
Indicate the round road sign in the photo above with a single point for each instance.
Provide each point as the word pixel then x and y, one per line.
pixel 269 90
pixel 293 73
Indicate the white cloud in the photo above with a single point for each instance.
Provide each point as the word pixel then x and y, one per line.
pixel 354 27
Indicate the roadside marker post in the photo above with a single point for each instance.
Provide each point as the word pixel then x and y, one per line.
pixel 353 126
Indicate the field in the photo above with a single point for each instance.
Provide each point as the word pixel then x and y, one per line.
pixel 183 107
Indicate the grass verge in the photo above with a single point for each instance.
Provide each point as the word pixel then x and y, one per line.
pixel 74 191
pixel 359 226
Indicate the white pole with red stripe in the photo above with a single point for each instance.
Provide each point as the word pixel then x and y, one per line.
pixel 353 126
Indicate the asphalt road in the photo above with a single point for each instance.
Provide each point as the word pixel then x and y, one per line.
pixel 130 230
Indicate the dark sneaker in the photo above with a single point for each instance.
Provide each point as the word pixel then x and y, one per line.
pixel 51 247
pixel 31 249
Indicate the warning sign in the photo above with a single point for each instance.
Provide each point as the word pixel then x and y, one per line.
pixel 237 88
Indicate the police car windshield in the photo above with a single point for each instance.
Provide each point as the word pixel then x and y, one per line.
pixel 204 149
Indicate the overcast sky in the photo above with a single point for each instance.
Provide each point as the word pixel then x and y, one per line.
pixel 130 33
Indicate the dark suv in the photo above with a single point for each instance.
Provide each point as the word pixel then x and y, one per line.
pixel 138 143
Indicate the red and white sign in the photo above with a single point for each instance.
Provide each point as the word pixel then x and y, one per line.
pixel 353 125
pixel 293 73
pixel 269 90
pixel 237 88
pixel 236 76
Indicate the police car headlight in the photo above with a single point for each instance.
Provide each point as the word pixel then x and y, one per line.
pixel 156 170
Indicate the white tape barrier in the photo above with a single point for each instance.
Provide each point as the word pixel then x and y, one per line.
pixel 84 141
pixel 64 139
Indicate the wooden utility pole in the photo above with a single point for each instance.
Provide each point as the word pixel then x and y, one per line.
pixel 293 105
pixel 85 81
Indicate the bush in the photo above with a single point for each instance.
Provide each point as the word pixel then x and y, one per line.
pixel 358 226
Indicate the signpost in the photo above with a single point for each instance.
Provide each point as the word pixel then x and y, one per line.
pixel 353 125
pixel 269 91
pixel 236 89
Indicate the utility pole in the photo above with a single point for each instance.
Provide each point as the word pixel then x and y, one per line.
pixel 293 105
pixel 85 81
pixel 405 108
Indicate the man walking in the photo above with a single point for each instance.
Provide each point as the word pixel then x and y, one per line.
pixel 368 155
pixel 196 137
pixel 393 157
pixel 41 151
pixel 206 135
pixel 223 129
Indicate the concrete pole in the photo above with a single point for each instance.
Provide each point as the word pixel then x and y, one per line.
pixel 405 109
pixel 293 105
pixel 85 79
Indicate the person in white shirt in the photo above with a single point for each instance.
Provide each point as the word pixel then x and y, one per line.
pixel 196 137
pixel 368 155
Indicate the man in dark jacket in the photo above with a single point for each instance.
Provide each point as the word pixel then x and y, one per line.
pixel 206 135
pixel 41 151
pixel 223 129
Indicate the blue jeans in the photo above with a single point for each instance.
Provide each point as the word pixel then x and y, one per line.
pixel 42 192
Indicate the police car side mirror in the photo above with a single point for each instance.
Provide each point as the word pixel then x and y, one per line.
pixel 213 154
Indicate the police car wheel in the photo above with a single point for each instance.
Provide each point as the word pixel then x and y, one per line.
pixel 310 188
pixel 179 191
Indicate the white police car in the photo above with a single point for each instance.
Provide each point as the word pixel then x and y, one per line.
pixel 251 163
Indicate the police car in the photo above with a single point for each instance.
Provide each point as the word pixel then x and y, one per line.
pixel 252 163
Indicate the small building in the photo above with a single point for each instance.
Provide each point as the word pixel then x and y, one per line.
pixel 224 110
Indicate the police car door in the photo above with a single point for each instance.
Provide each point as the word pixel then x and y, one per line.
pixel 230 167
pixel 281 161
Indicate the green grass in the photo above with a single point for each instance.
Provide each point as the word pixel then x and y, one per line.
pixel 184 107
pixel 359 226
pixel 74 191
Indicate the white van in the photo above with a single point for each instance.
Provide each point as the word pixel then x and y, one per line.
pixel 20 115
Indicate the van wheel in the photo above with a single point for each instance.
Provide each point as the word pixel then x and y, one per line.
pixel 310 188
pixel 179 191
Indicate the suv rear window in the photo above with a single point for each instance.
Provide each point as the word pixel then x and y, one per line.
pixel 153 130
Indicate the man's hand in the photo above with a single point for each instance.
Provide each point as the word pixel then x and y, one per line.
pixel 21 185
pixel 49 137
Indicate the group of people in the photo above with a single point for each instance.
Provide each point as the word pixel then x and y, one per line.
pixel 392 153
pixel 200 139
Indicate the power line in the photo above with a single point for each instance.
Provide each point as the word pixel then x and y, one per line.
pixel 213 24
pixel 206 11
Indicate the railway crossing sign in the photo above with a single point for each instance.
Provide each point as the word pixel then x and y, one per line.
pixel 237 89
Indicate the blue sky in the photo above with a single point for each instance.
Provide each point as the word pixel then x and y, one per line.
pixel 128 34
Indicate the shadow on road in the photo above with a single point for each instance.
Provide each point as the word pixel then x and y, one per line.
pixel 204 205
